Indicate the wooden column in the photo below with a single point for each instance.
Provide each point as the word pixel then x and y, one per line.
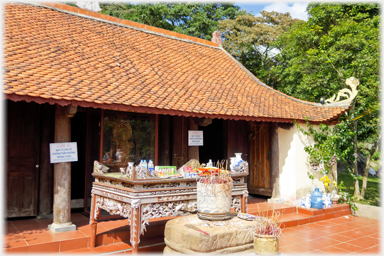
pixel 193 151
pixel 62 174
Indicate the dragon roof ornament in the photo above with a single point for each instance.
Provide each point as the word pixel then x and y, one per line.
pixel 348 94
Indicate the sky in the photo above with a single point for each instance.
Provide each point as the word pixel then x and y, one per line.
pixel 296 9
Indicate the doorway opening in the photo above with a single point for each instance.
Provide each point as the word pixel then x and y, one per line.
pixel 213 139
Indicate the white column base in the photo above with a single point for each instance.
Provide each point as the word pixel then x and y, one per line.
pixel 57 228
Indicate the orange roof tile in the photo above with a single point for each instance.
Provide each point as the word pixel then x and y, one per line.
pixel 65 55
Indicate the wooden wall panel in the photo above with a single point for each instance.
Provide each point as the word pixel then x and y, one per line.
pixel 237 140
pixel 22 160
pixel 180 141
pixel 260 154
pixel 164 140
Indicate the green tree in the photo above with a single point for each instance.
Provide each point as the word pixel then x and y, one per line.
pixel 194 19
pixel 249 39
pixel 337 42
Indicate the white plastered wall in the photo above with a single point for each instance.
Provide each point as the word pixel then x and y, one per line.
pixel 293 165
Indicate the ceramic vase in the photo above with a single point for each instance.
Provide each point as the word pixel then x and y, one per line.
pixel 129 170
pixel 307 201
pixel 232 164
pixel 238 159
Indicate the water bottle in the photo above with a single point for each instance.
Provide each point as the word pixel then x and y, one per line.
pixel 210 164
pixel 151 167
pixel 145 165
pixel 316 201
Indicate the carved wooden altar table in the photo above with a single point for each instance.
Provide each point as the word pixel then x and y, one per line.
pixel 142 199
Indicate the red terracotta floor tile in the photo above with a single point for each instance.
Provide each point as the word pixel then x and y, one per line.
pixel 109 248
pixel 354 233
pixel 303 247
pixel 152 241
pixel 50 247
pixel 87 231
pixel 15 243
pixel 104 238
pixel 287 241
pixel 333 250
pixel 371 250
pixel 39 237
pixel 340 238
pixel 365 242
pixel 319 232
pixel 157 248
pixel 80 251
pixel 309 236
pixel 72 244
pixel 349 247
pixel 16 250
pixel 28 225
pixel 375 235
pixel 45 222
pixel 9 236
pixel 290 232
pixel 327 241
pixel 284 250
pixel 70 235
pixel 121 236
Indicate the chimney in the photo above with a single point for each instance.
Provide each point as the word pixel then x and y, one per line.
pixel 216 37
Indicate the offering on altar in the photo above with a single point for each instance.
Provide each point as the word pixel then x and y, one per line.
pixel 214 189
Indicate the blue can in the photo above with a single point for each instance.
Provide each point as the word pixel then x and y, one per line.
pixel 316 199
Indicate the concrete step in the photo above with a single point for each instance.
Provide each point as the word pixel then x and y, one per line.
pixel 114 235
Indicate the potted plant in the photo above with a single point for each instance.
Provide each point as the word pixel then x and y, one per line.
pixel 266 235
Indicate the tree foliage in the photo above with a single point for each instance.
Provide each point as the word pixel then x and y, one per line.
pixel 193 19
pixel 337 42
pixel 249 38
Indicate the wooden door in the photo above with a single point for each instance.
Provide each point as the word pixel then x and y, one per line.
pixel 23 142
pixel 259 181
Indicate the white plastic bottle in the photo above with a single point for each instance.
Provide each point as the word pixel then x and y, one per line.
pixel 151 167
pixel 210 164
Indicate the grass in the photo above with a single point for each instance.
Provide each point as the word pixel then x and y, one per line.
pixel 372 194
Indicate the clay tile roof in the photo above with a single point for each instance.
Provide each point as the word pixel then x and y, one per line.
pixel 65 55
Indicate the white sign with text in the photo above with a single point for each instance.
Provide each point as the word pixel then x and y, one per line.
pixel 195 138
pixel 63 152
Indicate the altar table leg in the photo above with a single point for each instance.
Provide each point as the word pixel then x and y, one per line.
pixel 93 222
pixel 135 229
pixel 244 207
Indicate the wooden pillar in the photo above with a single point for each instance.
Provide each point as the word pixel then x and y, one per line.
pixel 193 151
pixel 62 174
